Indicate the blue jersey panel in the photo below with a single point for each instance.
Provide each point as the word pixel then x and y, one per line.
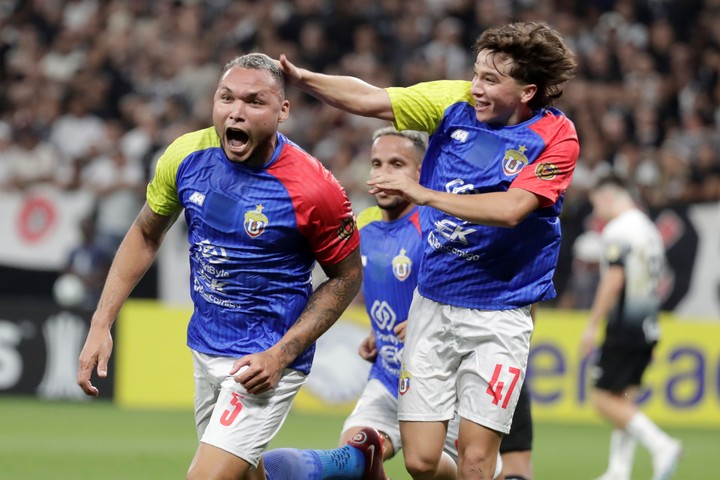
pixel 250 266
pixel 391 253
pixel 478 266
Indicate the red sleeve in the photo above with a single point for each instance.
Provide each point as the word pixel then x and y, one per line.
pixel 322 209
pixel 550 175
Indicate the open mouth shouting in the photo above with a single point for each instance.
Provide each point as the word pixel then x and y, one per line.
pixel 236 142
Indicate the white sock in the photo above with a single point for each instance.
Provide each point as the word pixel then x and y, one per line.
pixel 646 432
pixel 622 453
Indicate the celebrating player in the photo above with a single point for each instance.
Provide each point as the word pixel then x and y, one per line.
pixel 491 190
pixel 260 211
pixel 391 249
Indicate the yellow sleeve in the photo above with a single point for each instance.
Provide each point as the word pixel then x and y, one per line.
pixel 162 196
pixel 422 106
pixel 369 215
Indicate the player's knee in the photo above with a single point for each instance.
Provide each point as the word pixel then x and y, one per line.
pixel 477 459
pixel 419 465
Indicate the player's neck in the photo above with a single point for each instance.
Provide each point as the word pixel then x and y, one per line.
pixel 390 215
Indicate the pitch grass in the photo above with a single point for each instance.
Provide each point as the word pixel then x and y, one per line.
pixel 96 440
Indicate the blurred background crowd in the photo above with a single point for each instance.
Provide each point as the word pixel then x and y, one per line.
pixel 92 91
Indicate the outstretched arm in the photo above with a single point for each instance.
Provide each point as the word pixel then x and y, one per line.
pixel 343 92
pixel 500 209
pixel 323 309
pixel 134 256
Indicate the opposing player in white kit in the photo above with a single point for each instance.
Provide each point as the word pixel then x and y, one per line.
pixel 627 299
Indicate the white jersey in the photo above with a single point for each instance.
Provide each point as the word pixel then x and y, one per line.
pixel 632 241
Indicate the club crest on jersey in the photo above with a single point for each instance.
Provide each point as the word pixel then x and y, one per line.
pixel 404 383
pixel 346 228
pixel 546 171
pixel 401 265
pixel 514 160
pixel 255 222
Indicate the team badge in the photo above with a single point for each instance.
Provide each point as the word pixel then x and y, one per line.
pixel 346 228
pixel 546 171
pixel 401 265
pixel 255 222
pixel 404 383
pixel 514 160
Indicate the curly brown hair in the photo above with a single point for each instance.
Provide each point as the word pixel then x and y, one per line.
pixel 539 56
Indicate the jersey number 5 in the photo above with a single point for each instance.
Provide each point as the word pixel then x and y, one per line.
pixel 495 389
pixel 229 416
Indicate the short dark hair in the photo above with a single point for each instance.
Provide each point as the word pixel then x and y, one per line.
pixel 539 56
pixel 258 61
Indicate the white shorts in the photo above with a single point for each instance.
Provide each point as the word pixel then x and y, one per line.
pixel 465 360
pixel 228 417
pixel 378 408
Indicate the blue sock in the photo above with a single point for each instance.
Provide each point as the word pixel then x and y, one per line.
pixel 292 464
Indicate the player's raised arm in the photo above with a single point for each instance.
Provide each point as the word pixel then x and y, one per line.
pixel 344 92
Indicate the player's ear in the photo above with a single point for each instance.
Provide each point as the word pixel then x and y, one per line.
pixel 284 111
pixel 528 92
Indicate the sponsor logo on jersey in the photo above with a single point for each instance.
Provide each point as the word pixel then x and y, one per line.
pixel 401 265
pixel 459 186
pixel 546 171
pixel 404 383
pixel 383 315
pixel 452 231
pixel 514 160
pixel 346 228
pixel 255 222
pixel 197 198
pixel 459 135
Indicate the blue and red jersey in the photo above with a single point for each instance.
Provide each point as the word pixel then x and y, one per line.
pixel 391 253
pixel 478 266
pixel 255 234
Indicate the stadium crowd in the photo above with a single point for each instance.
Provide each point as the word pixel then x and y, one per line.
pixel 92 91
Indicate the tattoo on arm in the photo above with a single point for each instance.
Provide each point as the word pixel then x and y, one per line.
pixel 325 305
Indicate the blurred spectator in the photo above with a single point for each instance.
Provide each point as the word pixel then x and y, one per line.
pixel 646 99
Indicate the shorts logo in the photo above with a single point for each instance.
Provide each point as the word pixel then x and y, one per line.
pixel 514 160
pixel 346 228
pixel 404 383
pixel 255 222
pixel 401 265
pixel 546 171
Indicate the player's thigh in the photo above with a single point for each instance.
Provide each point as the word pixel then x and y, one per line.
pixel 520 437
pixel 494 346
pixel 477 444
pixel 427 390
pixel 243 424
pixel 423 443
pixel 213 463
pixel 377 408
pixel 620 369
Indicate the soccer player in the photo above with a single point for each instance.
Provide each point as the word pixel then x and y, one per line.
pixel 627 299
pixel 391 249
pixel 491 188
pixel 260 212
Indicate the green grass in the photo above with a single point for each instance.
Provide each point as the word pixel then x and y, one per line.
pixel 96 440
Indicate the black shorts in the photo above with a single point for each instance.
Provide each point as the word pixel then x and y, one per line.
pixel 620 368
pixel 521 430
